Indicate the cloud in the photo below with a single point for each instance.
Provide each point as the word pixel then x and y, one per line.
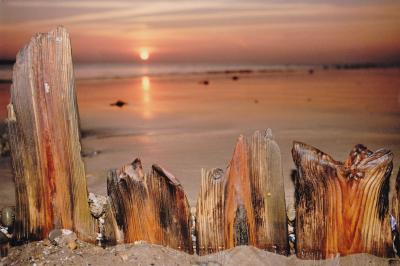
pixel 196 25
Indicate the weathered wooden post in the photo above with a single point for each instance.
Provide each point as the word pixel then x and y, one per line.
pixel 396 199
pixel 51 190
pixel 395 208
pixel 342 208
pixel 151 207
pixel 246 204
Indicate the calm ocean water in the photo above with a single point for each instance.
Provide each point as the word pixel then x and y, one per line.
pixel 114 70
pixel 183 125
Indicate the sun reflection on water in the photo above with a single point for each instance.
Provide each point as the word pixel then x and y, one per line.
pixel 147 108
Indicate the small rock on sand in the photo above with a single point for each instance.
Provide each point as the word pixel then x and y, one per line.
pixel 7 216
pixel 97 204
pixel 63 238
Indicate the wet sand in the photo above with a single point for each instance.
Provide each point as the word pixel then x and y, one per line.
pixel 184 126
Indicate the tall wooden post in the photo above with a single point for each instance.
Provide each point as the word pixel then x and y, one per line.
pixel 342 208
pixel 51 189
pixel 246 204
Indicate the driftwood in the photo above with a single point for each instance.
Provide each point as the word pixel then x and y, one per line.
pixel 246 204
pixel 49 174
pixel 342 208
pixel 151 207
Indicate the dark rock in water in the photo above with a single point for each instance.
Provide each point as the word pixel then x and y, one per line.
pixel 311 71
pixel 204 82
pixel 90 154
pixel 7 216
pixel 235 78
pixel 119 103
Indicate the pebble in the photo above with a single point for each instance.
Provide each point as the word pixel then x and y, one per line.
pixel 72 245
pixel 290 229
pixel 63 238
pixel 7 216
pixel 124 257
pixel 140 242
pixel 97 204
pixel 291 214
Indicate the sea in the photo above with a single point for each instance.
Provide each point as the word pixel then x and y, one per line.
pixel 187 117
pixel 127 70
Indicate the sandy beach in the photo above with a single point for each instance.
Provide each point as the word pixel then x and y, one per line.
pixel 43 253
pixel 183 125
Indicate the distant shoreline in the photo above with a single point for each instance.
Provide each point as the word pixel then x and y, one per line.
pixel 233 71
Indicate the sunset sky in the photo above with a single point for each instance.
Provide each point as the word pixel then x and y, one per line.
pixel 260 32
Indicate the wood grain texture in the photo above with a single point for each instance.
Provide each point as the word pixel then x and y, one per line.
pixel 342 208
pixel 112 233
pixel 151 207
pixel 210 218
pixel 50 179
pixel 239 225
pixel 268 193
pixel 396 200
pixel 246 204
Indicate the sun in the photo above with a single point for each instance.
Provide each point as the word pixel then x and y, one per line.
pixel 144 54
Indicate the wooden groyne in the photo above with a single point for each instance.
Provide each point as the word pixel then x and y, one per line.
pixel 341 207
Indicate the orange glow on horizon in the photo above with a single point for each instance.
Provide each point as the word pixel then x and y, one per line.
pixel 258 32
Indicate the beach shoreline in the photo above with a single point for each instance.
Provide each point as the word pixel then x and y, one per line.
pixel 166 122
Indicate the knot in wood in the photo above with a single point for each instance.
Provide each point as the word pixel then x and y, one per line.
pixel 217 173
